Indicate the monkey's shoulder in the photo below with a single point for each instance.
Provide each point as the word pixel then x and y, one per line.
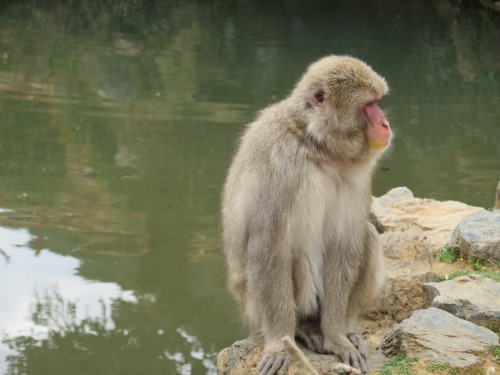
pixel 270 132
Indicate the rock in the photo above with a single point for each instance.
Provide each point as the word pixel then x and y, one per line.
pixel 243 357
pixel 240 358
pixel 402 295
pixel 474 298
pixel 407 251
pixel 437 336
pixel 399 209
pixel 410 261
pixel 478 236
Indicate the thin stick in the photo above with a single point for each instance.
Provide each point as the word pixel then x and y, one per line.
pixel 341 368
pixel 298 355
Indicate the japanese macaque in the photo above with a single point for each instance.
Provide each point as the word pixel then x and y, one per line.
pixel 303 258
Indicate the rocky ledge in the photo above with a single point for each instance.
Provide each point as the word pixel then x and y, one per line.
pixel 425 311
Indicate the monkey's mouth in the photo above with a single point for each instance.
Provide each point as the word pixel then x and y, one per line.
pixel 378 144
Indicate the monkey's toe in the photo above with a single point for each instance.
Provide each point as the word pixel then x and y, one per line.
pixel 272 363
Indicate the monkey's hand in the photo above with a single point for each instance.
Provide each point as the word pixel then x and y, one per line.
pixel 273 362
pixel 342 347
pixel 310 334
pixel 359 342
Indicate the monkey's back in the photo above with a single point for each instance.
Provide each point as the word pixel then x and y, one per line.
pixel 259 188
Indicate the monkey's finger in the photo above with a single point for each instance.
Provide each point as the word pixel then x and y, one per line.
pixel 277 362
pixel 306 339
pixel 318 343
pixel 362 363
pixel 317 339
pixel 270 364
pixel 359 343
pixel 312 341
pixel 363 348
pixel 344 356
pixel 264 365
pixel 354 360
pixel 285 365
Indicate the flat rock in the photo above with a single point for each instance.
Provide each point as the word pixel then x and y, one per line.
pixel 474 298
pixel 437 336
pixel 398 209
pixel 478 236
pixel 243 357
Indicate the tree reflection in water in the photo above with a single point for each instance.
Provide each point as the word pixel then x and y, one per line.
pixel 65 341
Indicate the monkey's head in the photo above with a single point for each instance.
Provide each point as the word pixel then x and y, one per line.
pixel 341 96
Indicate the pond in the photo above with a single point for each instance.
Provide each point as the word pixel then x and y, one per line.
pixel 117 124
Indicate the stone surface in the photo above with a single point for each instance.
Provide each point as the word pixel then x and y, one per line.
pixel 402 295
pixel 478 236
pixel 243 357
pixel 474 298
pixel 438 336
pixel 407 251
pixel 398 209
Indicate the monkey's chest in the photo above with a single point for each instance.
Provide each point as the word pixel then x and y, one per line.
pixel 326 211
pixel 326 217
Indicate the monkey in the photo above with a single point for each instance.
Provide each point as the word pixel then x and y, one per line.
pixel 302 257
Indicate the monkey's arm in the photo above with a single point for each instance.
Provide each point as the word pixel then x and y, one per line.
pixel 270 285
pixel 270 255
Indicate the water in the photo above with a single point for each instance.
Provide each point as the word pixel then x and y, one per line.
pixel 117 124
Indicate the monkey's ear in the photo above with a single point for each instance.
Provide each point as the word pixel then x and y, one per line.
pixel 317 97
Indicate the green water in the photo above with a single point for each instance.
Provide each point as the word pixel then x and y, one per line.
pixel 117 125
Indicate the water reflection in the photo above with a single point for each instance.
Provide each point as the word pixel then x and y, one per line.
pixel 184 365
pixel 54 318
pixel 38 285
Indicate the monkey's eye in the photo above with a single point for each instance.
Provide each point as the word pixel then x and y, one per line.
pixel 320 96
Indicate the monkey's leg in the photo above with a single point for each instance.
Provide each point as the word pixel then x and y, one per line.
pixel 367 287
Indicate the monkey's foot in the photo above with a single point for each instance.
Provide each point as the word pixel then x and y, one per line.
pixel 273 362
pixel 310 334
pixel 359 342
pixel 342 347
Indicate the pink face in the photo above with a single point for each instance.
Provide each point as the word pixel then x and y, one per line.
pixel 379 131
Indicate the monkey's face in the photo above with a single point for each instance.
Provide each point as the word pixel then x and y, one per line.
pixel 354 127
pixel 343 95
